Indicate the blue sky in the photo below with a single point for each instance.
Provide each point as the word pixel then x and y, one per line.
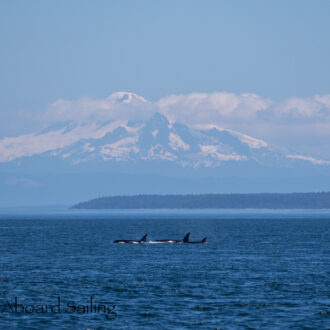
pixel 53 50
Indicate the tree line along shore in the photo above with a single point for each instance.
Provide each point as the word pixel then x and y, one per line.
pixel 312 200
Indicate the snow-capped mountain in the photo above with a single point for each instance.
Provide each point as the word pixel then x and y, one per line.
pixel 158 139
pixel 154 139
pixel 70 161
pixel 127 98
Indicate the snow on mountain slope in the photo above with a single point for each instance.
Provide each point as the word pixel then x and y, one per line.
pixel 154 139
pixel 127 98
pixel 52 138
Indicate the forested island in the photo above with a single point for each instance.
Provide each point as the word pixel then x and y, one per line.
pixel 212 201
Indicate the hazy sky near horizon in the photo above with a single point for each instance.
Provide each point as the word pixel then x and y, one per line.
pixel 278 51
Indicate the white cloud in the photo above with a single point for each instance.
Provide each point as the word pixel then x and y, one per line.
pixel 222 109
pixel 310 159
pixel 215 108
pixel 118 106
pixel 209 108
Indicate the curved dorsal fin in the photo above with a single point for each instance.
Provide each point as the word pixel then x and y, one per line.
pixel 144 238
pixel 186 238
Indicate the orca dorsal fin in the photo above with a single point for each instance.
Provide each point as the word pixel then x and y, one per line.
pixel 204 240
pixel 186 238
pixel 144 238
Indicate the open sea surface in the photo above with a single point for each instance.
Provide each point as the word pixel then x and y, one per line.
pixel 259 270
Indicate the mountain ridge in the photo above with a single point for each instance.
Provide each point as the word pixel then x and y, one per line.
pixel 154 139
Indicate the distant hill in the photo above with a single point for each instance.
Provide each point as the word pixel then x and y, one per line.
pixel 212 201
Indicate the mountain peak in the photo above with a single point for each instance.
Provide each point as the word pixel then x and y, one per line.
pixel 158 117
pixel 127 98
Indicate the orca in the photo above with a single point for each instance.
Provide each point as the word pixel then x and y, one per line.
pixel 184 240
pixel 129 241
pixel 203 241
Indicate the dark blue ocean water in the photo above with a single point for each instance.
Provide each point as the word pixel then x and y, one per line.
pixel 267 270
